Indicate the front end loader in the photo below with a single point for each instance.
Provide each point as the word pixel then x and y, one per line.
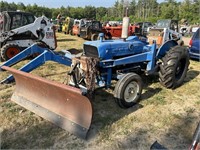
pixel 123 60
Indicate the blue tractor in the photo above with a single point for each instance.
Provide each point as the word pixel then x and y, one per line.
pixel 125 61
pixel 102 61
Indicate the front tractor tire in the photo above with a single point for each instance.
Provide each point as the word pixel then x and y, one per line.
pixel 174 67
pixel 9 50
pixel 128 90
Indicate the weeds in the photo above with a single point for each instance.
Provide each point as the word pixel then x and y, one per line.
pixel 8 105
pixel 198 102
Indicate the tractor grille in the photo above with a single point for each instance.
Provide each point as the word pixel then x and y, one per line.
pixel 91 51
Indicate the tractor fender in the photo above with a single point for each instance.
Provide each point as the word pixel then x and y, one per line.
pixel 164 48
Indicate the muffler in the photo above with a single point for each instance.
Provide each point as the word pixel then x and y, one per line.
pixel 60 104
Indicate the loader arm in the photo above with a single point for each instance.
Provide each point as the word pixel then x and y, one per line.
pixel 23 55
pixel 45 55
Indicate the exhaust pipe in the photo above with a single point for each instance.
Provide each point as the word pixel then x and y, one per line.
pixel 125 28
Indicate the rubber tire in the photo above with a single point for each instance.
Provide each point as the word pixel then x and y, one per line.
pixel 1 60
pixel 120 89
pixel 108 36
pixel 94 37
pixel 70 32
pixel 6 47
pixel 42 44
pixel 170 62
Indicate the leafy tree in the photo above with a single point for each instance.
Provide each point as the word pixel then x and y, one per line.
pixel 132 8
pixel 138 10
pixel 21 6
pixel 101 12
pixel 187 10
pixel 90 12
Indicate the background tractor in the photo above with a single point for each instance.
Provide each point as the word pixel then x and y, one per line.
pixel 143 26
pixel 164 31
pixel 91 30
pixel 116 31
pixel 78 24
pixel 67 25
pixel 19 30
pixel 101 62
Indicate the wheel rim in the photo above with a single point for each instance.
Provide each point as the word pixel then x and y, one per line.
pixel 12 51
pixel 131 91
pixel 95 37
pixel 180 69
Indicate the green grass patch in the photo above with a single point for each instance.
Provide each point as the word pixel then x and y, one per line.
pixel 8 105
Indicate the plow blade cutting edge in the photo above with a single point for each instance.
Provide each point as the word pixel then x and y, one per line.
pixel 61 104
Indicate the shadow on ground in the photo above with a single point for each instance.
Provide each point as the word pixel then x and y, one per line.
pixel 29 137
pixel 65 40
pixel 191 74
pixel 106 112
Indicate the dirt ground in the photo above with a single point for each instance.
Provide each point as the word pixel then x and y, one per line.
pixel 167 116
pixel 186 40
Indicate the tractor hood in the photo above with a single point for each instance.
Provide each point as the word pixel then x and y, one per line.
pixel 112 49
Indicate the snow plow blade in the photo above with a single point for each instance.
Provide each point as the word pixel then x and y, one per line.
pixel 60 104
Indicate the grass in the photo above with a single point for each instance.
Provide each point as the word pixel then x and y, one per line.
pixel 169 116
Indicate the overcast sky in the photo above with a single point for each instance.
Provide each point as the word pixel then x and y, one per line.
pixel 73 3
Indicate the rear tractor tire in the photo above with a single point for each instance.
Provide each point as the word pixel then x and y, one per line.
pixel 174 67
pixel 9 50
pixel 128 90
pixel 94 37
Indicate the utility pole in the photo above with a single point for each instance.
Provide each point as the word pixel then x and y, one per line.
pixel 125 6
pixel 126 11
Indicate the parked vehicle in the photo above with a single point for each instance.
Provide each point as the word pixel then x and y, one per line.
pixel 67 25
pixel 194 45
pixel 19 30
pixel 194 29
pixel 143 26
pixel 78 24
pixel 115 23
pixel 60 21
pixel 91 30
pixel 185 30
pixel 164 31
pixel 116 31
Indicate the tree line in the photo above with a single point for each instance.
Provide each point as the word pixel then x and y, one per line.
pixel 137 10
